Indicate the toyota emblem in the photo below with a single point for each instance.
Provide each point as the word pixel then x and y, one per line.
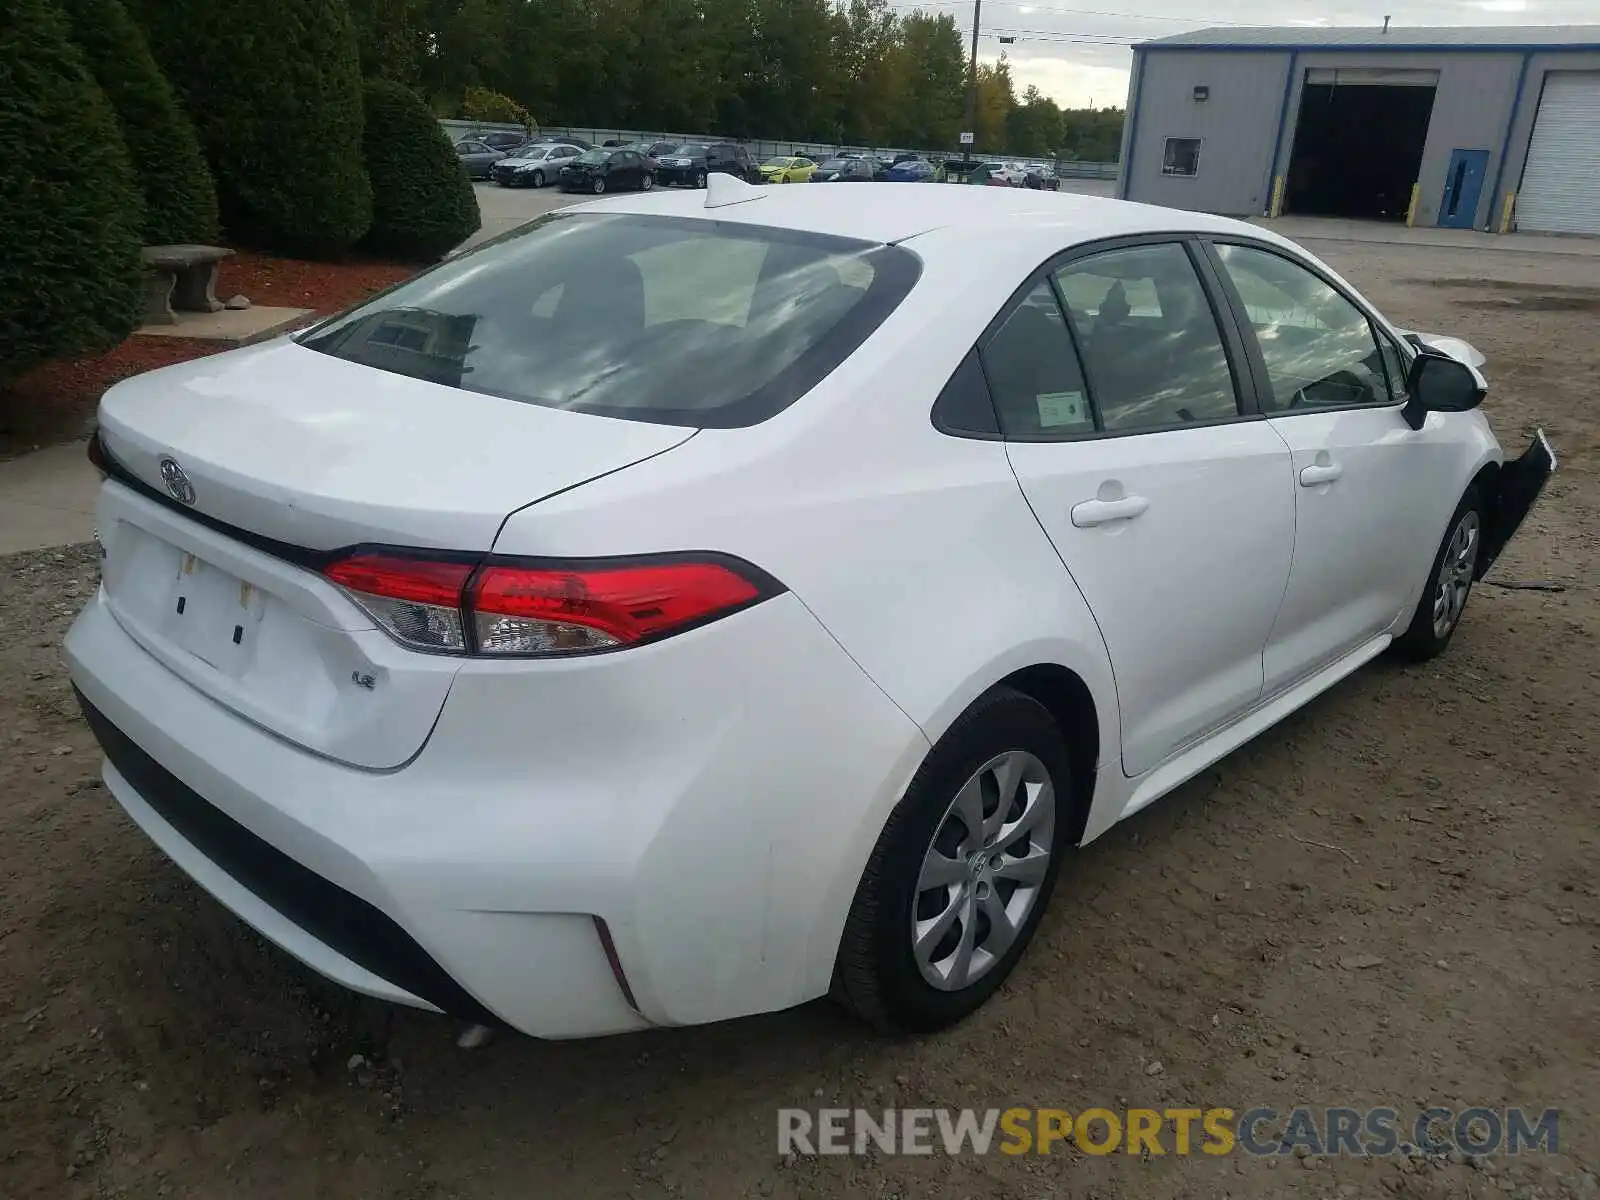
pixel 177 482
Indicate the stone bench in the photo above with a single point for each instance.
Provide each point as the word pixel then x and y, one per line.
pixel 180 277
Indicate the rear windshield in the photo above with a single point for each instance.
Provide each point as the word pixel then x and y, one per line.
pixel 664 319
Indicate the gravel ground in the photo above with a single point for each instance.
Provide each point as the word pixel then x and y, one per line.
pixel 1390 899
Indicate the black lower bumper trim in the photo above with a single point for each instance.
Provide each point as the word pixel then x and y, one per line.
pixel 348 924
pixel 1516 487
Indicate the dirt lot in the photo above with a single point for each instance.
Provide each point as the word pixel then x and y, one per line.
pixel 1390 900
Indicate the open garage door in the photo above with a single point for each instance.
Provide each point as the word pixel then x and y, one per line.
pixel 1561 183
pixel 1358 142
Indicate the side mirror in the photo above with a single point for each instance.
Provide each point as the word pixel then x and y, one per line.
pixel 1438 383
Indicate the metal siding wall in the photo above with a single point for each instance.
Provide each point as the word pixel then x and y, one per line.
pixel 1470 108
pixel 1539 65
pixel 1235 126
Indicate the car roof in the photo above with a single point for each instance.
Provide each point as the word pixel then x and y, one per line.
pixel 1059 218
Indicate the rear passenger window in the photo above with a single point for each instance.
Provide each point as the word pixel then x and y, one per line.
pixel 1151 346
pixel 1319 348
pixel 1033 372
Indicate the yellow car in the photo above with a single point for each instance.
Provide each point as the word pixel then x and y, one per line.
pixel 787 170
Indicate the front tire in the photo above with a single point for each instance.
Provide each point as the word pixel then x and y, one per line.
pixel 962 872
pixel 647 183
pixel 699 179
pixel 598 187
pixel 1444 599
pixel 538 179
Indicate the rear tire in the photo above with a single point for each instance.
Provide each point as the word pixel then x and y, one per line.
pixel 936 888
pixel 699 179
pixel 647 183
pixel 1444 598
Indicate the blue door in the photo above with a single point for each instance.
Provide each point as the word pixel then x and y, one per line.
pixel 1462 184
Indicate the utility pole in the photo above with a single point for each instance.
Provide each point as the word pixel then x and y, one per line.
pixel 972 78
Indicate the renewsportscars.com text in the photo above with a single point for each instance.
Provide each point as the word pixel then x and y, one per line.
pixel 1372 1132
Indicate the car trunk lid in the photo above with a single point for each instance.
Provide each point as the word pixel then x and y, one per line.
pixel 279 456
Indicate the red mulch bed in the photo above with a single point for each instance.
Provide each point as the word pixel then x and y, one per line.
pixel 294 283
pixel 56 400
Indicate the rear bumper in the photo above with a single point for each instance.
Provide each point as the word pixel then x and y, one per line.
pixel 719 838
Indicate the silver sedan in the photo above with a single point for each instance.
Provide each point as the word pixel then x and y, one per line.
pixel 533 165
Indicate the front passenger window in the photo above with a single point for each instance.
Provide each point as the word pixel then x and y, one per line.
pixel 1319 348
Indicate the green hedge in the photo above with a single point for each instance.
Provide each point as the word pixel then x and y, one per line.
pixel 274 90
pixel 180 201
pixel 70 212
pixel 423 203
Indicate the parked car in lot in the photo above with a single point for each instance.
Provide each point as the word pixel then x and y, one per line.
pixel 656 150
pixel 846 170
pixel 502 645
pixel 693 162
pixel 478 157
pixel 602 170
pixel 994 174
pixel 910 170
pixel 533 165
pixel 501 139
pixel 787 169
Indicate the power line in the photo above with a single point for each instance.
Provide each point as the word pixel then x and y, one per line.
pixel 1101 39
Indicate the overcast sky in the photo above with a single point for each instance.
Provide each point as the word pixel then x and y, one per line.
pixel 1076 51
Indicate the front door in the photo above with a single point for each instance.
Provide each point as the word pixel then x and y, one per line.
pixel 1463 183
pixel 1173 514
pixel 1371 494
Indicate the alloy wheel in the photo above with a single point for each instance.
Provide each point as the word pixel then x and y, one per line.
pixel 1456 569
pixel 982 873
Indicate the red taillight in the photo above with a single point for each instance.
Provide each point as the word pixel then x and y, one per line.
pixel 421 581
pixel 588 608
pixel 518 608
pixel 416 601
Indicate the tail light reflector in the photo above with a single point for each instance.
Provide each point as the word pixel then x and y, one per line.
pixel 520 608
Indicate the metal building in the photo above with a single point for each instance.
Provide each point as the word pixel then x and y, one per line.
pixel 1487 128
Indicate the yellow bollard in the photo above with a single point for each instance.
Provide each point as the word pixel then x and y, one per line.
pixel 1506 210
pixel 1411 209
pixel 1275 209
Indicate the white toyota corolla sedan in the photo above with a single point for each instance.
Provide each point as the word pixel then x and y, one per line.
pixel 689 605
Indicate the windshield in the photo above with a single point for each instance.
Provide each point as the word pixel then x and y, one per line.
pixel 593 156
pixel 838 164
pixel 691 148
pixel 612 313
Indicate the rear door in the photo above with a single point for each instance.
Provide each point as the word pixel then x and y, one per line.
pixel 1130 428
pixel 1372 495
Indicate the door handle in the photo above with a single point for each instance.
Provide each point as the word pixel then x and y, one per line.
pixel 1103 512
pixel 1320 473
